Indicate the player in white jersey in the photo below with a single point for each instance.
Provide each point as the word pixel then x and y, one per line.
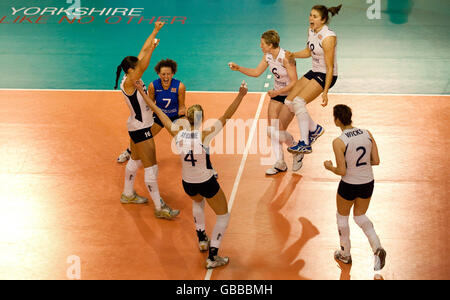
pixel 279 116
pixel 199 181
pixel 356 152
pixel 321 46
pixel 139 125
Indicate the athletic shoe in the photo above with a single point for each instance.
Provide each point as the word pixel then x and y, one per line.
pixel 301 147
pixel 216 175
pixel 217 262
pixel 297 161
pixel 124 156
pixel 380 259
pixel 166 212
pixel 339 255
pixel 279 166
pixel 133 199
pixel 203 241
pixel 314 135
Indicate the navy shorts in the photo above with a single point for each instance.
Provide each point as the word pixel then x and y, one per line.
pixel 279 98
pixel 351 191
pixel 207 189
pixel 320 78
pixel 158 121
pixel 141 135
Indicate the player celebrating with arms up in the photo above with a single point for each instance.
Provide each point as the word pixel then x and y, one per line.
pixel 199 181
pixel 285 76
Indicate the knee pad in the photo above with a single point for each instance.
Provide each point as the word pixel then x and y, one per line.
pixel 342 221
pixel 133 165
pixel 272 133
pixel 299 106
pixel 286 137
pixel 363 221
pixel 222 220
pixel 151 174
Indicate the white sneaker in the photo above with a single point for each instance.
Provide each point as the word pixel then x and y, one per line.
pixel 279 166
pixel 133 199
pixel 297 161
pixel 124 156
pixel 217 262
pixel 339 255
pixel 380 259
pixel 216 175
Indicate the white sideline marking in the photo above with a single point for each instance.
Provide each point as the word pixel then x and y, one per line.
pixel 241 166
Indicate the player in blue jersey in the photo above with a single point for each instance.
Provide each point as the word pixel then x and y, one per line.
pixel 169 94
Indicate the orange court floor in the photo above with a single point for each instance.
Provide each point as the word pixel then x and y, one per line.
pixel 60 188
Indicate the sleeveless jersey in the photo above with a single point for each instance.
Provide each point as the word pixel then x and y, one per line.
pixel 167 100
pixel 315 45
pixel 278 70
pixel 194 156
pixel 141 116
pixel 358 147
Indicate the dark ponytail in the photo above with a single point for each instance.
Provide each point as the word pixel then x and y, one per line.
pixel 119 70
pixel 127 63
pixel 324 11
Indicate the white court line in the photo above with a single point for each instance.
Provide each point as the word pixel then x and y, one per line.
pixel 241 166
pixel 226 92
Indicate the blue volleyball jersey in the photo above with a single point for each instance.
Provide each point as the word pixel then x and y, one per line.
pixel 167 100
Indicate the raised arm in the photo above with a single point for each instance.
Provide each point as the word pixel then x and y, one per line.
pixel 147 50
pixel 339 149
pixel 209 133
pixel 262 66
pixel 161 115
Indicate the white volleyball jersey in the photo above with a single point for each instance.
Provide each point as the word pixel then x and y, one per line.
pixel 141 116
pixel 315 45
pixel 358 148
pixel 278 70
pixel 195 161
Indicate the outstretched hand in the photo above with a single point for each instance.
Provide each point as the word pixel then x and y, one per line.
pixel 243 89
pixel 233 66
pixel 289 55
pixel 159 25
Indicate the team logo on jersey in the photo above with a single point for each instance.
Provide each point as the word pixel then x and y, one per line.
pixel 280 60
pixel 320 36
pixel 173 90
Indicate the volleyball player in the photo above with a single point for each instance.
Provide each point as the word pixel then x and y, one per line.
pixel 139 126
pixel 279 116
pixel 321 46
pixel 199 182
pixel 356 152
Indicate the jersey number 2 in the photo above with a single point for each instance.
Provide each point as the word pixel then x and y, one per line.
pixel 358 164
pixel 191 156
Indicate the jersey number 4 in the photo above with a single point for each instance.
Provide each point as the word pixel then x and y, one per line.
pixel 190 157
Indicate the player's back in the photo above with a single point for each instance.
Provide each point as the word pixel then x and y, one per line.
pixel 358 149
pixel 196 164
